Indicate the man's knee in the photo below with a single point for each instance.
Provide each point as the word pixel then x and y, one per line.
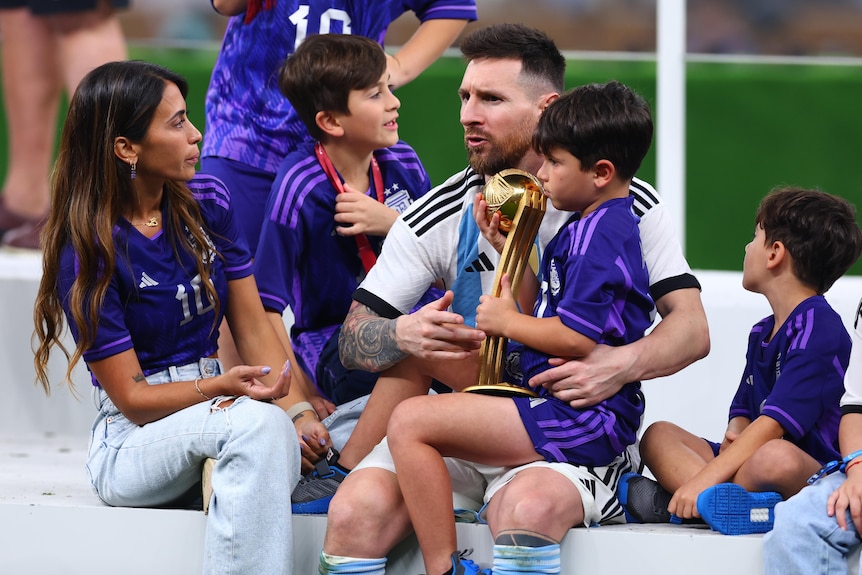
pixel 354 503
pixel 535 509
pixel 551 509
pixel 366 517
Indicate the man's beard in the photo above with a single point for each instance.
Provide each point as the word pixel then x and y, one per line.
pixel 501 154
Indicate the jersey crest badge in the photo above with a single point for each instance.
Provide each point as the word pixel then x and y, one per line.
pixel 554 279
pixel 397 198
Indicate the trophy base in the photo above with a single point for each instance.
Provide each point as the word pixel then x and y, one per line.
pixel 501 390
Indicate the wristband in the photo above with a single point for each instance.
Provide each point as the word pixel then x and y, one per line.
pixel 294 410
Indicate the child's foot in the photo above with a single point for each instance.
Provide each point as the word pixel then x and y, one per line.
pixel 316 489
pixel 730 509
pixel 644 500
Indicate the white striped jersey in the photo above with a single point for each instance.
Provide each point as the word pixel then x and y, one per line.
pixel 437 238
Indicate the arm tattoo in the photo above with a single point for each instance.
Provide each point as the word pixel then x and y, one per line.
pixel 367 341
pixel 139 377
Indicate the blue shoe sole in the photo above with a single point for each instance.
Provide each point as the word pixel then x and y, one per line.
pixel 731 510
pixel 316 507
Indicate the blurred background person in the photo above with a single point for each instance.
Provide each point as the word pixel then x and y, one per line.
pixel 47 46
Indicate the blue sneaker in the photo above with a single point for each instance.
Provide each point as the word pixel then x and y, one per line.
pixel 463 566
pixel 644 500
pixel 730 509
pixel 314 491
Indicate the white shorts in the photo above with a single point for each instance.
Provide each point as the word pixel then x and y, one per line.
pixel 474 484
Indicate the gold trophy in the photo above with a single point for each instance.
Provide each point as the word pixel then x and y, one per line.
pixel 519 198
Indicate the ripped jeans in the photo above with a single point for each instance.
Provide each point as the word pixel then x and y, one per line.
pixel 257 466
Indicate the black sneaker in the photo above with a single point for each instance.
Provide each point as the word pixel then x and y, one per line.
pixel 644 500
pixel 315 490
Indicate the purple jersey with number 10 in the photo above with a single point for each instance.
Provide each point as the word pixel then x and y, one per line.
pixel 248 119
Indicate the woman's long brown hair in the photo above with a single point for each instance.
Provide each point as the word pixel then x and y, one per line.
pixel 91 189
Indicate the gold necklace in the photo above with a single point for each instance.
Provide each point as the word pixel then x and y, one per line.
pixel 151 223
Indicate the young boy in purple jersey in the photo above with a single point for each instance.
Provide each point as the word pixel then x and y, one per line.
pixel 595 290
pixel 250 127
pixel 333 201
pixel 783 420
pixel 142 260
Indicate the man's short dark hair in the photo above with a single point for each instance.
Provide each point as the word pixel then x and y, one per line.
pixel 541 60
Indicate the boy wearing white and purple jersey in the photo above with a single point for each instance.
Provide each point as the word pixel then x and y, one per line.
pixel 333 200
pixel 595 289
pixel 783 420
pixel 250 126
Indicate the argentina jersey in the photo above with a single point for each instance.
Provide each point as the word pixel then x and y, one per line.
pixel 795 375
pixel 149 272
pixel 248 118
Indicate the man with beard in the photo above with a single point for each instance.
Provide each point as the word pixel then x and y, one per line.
pixel 513 73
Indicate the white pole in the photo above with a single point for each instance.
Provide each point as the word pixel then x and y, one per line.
pixel 670 113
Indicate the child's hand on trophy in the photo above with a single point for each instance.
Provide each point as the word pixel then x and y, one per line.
pixel 495 315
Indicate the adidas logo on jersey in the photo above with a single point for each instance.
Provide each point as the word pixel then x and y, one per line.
pixel 480 264
pixel 147 281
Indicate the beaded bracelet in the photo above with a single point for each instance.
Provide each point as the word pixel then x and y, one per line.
pixel 198 388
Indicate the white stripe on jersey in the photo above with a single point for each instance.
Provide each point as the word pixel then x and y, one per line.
pixel 441 202
pixel 645 197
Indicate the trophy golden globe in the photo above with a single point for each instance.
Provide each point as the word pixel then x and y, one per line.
pixel 518 197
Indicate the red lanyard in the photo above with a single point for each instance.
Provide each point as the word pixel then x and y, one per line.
pixel 366 253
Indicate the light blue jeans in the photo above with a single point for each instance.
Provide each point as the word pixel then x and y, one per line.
pixel 805 540
pixel 257 466
pixel 342 421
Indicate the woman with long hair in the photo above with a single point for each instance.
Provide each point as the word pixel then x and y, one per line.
pixel 143 260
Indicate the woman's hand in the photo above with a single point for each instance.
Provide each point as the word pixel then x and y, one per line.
pixel 242 380
pixel 313 437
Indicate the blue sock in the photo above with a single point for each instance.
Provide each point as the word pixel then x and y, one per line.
pixel 511 559
pixel 334 564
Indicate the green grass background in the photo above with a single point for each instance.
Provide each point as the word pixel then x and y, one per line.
pixel 749 127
